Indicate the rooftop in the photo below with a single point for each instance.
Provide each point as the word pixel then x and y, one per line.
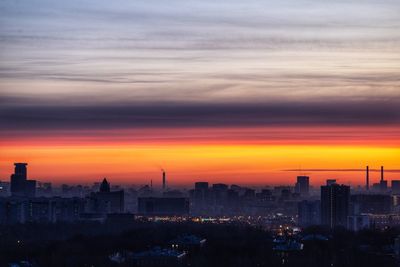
pixel 159 252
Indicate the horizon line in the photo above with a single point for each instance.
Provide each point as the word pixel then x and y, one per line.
pixel 340 170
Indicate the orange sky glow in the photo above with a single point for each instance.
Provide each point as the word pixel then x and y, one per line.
pixel 220 91
pixel 241 156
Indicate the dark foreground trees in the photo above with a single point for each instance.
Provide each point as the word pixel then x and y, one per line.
pixel 89 244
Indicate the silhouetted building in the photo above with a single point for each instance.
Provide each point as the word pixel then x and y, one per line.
pixel 41 210
pixel 374 204
pixel 105 201
pixel 396 203
pixel 200 197
pixel 309 213
pixel 30 188
pixel 249 194
pixel 219 194
pixel 105 186
pixel 330 181
pixel 163 206
pixel 383 186
pixel 335 205
pixel 302 185
pixel 20 170
pixel 44 189
pixel 220 187
pixel 201 186
pixel 373 221
pixel 233 198
pixel 4 189
pixel 396 187
pixel 376 187
pixel 18 179
pixel 20 186
pixel 12 210
pixel 201 193
pixel 145 191
pixel 283 192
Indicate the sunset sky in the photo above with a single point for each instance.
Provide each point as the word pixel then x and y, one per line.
pixel 245 92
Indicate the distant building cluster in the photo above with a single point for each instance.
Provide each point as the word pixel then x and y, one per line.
pixel 301 205
pixel 29 203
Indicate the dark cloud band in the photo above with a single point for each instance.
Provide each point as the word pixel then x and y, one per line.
pixel 172 115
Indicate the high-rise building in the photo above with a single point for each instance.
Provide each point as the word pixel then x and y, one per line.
pixel 220 187
pixel 302 185
pixel 201 192
pixel 20 170
pixel 105 186
pixel 219 194
pixel 201 185
pixel 396 187
pixel 335 205
pixel 200 197
pixel 20 186
pixel 309 213
pixel 18 179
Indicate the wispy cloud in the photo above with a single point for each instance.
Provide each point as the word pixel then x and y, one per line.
pixel 198 63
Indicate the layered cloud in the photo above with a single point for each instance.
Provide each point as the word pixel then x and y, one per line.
pixel 113 51
pixel 187 115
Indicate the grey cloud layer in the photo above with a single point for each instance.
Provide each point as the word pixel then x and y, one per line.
pixel 198 115
pixel 286 62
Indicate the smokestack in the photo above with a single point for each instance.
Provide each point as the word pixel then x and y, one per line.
pixel 381 173
pixel 163 180
pixel 367 178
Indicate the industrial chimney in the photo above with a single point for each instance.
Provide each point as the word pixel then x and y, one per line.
pixel 381 173
pixel 163 180
pixel 367 179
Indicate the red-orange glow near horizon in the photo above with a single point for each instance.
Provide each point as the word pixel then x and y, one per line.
pixel 227 157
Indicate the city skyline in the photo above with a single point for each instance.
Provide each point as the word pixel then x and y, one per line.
pixel 164 181
pixel 228 92
pixel 190 133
